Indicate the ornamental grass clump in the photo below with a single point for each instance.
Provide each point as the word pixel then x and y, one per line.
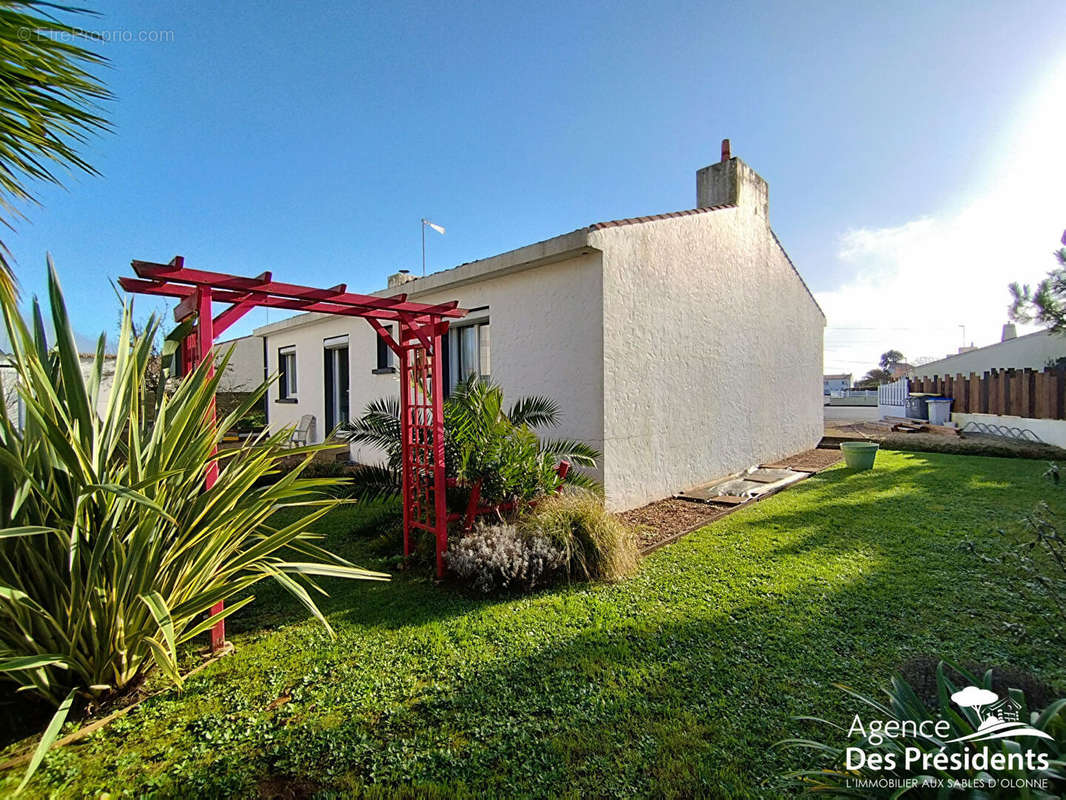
pixel 500 558
pixel 598 545
pixel 112 554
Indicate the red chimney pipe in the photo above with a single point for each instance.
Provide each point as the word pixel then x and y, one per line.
pixel 725 150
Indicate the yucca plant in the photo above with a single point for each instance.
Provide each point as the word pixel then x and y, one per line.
pixel 483 441
pixel 111 552
pixel 48 102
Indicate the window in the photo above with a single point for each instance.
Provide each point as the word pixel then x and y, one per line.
pixel 287 368
pixel 470 352
pixel 386 362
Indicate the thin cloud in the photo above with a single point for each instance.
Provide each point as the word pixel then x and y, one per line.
pixel 915 285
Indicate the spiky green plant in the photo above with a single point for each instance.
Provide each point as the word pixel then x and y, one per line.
pixel 483 441
pixel 111 552
pixel 48 102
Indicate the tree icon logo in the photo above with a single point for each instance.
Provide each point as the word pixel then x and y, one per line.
pixel 973 699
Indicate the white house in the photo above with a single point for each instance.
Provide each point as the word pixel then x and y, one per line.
pixel 836 383
pixel 684 346
pixel 245 369
pixel 15 408
pixel 1033 351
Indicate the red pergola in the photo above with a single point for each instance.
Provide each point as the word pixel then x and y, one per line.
pixel 417 347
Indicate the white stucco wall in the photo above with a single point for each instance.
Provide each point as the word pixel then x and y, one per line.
pixel 9 396
pixel 546 339
pixel 712 354
pixel 1034 351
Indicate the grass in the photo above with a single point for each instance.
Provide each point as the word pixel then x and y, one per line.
pixel 675 682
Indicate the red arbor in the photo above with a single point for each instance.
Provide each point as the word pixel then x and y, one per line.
pixel 417 348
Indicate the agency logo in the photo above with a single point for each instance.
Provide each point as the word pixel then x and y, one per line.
pixel 1002 720
pixel 928 747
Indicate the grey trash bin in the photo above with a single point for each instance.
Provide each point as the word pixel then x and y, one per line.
pixel 916 407
pixel 939 410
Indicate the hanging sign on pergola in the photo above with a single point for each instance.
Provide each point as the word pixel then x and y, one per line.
pixel 417 347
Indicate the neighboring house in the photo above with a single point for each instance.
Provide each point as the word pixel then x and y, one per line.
pixel 9 395
pixel 836 383
pixel 897 371
pixel 13 405
pixel 685 346
pixel 245 371
pixel 1035 351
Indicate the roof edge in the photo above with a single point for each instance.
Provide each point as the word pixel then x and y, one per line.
pixel 688 212
pixel 788 258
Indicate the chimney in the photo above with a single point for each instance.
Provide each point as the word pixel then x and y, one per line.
pixel 1009 332
pixel 400 278
pixel 732 182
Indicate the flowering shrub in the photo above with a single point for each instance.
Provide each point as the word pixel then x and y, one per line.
pixel 497 557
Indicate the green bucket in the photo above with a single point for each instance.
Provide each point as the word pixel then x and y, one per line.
pixel 859 455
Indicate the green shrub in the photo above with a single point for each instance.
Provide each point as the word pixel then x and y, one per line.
pixel 598 545
pixel 483 442
pixel 111 552
pixel 971 445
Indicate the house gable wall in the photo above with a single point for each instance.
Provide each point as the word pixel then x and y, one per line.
pixel 712 353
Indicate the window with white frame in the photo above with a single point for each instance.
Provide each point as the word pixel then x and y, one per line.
pixel 469 351
pixel 287 370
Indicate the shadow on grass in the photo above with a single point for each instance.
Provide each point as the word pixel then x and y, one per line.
pixel 674 683
pixel 686 706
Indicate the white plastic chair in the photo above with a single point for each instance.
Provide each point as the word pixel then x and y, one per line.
pixel 303 434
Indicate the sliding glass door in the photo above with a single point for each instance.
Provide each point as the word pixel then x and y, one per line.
pixel 335 358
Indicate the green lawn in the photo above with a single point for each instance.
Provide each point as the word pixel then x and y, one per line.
pixel 673 683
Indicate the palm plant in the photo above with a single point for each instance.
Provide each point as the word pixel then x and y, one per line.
pixel 482 442
pixel 111 552
pixel 48 102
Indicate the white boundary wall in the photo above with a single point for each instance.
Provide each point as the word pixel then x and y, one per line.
pixel 1052 431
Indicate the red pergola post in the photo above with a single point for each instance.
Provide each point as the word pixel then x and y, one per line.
pixel 205 341
pixel 440 515
pixel 421 331
pixel 406 446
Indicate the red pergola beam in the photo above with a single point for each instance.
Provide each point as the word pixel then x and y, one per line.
pixel 187 307
pixel 217 280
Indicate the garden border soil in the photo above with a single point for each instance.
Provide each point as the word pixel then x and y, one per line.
pixel 651 517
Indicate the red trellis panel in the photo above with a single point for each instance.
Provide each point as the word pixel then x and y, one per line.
pixel 422 423
pixel 421 328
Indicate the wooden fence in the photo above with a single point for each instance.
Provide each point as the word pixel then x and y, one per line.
pixel 1018 392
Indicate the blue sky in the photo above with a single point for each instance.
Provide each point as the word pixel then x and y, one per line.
pixel 310 140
